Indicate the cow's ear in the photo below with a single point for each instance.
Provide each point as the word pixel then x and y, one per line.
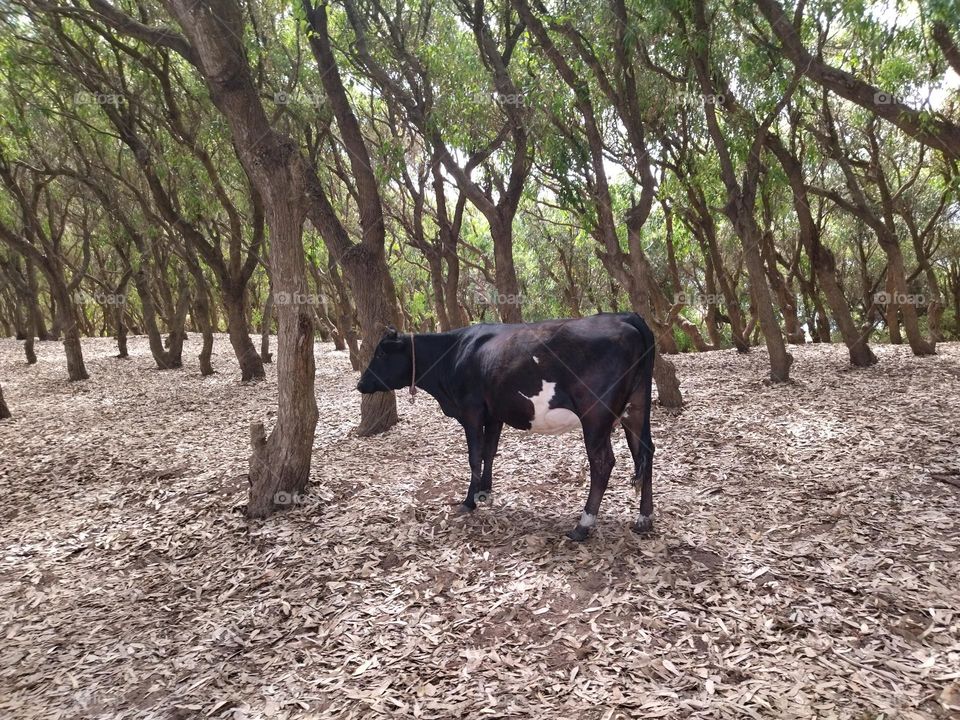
pixel 391 333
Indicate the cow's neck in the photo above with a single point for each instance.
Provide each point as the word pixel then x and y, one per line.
pixel 435 353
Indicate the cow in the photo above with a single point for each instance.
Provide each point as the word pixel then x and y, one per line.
pixel 547 377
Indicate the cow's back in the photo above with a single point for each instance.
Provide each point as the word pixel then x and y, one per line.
pixel 578 364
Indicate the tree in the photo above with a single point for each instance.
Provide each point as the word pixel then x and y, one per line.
pixel 4 410
pixel 928 128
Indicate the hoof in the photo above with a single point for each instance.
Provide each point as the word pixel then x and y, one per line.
pixel 642 525
pixel 464 509
pixel 579 533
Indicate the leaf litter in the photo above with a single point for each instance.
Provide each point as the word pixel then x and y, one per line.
pixel 805 561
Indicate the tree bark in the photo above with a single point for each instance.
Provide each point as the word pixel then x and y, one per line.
pixel 375 300
pixel 66 313
pixel 4 410
pixel 266 325
pixel 202 317
pixel 234 304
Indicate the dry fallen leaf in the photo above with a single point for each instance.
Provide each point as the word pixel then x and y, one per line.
pixel 803 564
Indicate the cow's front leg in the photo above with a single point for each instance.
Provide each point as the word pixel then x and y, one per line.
pixel 600 454
pixel 491 440
pixel 474 432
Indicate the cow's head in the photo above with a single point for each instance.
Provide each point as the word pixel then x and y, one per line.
pixel 391 366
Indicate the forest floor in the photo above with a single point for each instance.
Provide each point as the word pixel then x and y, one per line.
pixel 805 562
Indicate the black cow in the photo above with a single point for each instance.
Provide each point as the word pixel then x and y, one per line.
pixel 546 377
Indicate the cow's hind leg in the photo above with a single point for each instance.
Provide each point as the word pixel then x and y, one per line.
pixel 491 440
pixel 636 424
pixel 600 453
pixel 475 447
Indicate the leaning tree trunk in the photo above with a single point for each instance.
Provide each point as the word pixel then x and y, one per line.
pixel 280 464
pixel 823 261
pixel 749 232
pixel 149 310
pixel 890 314
pixel 202 319
pixel 373 292
pixel 344 312
pixel 911 323
pixel 4 410
pixel 34 308
pixel 66 315
pixel 266 324
pixel 251 367
pixel 29 351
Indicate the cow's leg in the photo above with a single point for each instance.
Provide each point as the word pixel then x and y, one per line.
pixel 641 447
pixel 491 440
pixel 637 426
pixel 474 431
pixel 596 437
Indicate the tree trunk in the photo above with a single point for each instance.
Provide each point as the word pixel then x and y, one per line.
pixel 160 355
pixel 780 359
pixel 374 293
pixel 344 312
pixel 34 307
pixel 668 386
pixel 823 261
pixel 120 321
pixel 29 352
pixel 76 370
pixel 706 233
pixel 280 464
pixel 436 286
pixel 508 286
pixel 786 300
pixel 234 303
pixel 266 324
pixel 896 273
pixel 201 316
pixel 177 326
pixel 4 410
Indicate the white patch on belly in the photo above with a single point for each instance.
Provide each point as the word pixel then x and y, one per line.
pixel 547 420
pixel 536 359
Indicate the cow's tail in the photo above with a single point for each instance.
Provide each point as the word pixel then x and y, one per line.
pixel 641 399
